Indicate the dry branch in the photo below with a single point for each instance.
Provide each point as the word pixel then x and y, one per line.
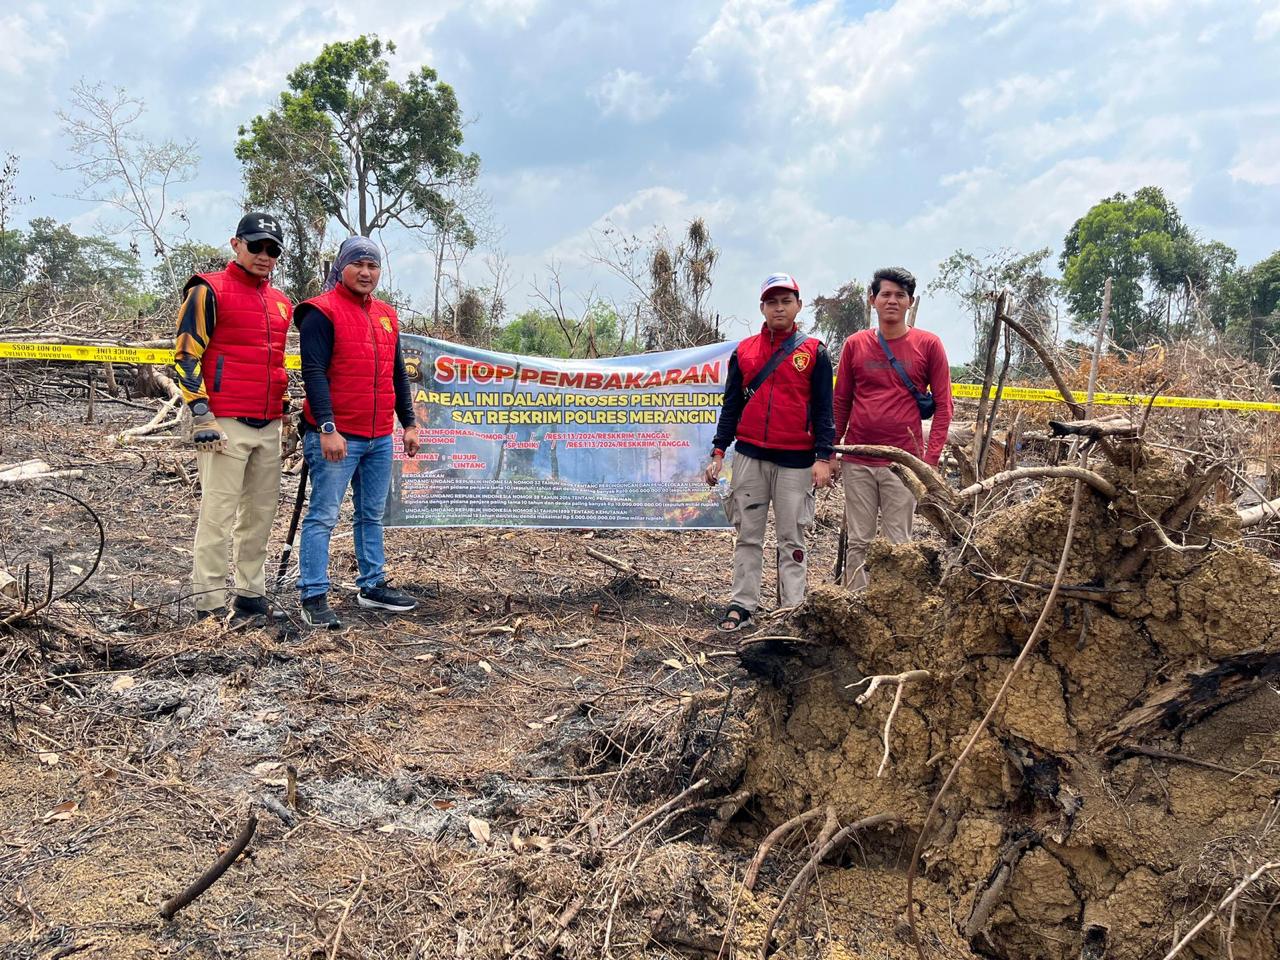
pixel 650 817
pixel 210 876
pixel 1097 481
pixel 158 422
pixel 936 486
pixel 811 867
pixel 1226 901
pixel 1094 429
pixel 623 567
pixel 33 470
pixel 1253 516
pixel 1077 410
pixel 899 680
pixel 776 834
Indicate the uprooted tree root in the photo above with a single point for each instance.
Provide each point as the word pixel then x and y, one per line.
pixel 1128 780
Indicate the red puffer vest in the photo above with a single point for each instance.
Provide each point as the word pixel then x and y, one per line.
pixel 243 363
pixel 362 369
pixel 777 416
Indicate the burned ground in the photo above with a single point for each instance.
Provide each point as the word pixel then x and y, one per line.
pixel 554 759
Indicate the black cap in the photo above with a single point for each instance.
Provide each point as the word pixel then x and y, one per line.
pixel 260 226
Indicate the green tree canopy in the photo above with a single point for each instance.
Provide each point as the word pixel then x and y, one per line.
pixel 349 143
pixel 1252 300
pixel 1165 281
pixel 540 333
pixel 841 314
pixel 61 262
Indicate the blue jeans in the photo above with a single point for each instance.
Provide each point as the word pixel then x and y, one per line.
pixel 367 468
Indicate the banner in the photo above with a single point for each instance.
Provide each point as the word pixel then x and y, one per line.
pixel 512 441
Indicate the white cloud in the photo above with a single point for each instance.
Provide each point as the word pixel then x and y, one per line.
pixel 1269 23
pixel 1023 92
pixel 632 95
pixel 1258 162
pixel 29 41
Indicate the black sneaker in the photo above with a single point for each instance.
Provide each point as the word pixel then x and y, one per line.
pixel 383 596
pixel 249 608
pixel 317 613
pixel 219 613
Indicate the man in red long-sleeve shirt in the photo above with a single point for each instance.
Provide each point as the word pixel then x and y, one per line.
pixel 872 405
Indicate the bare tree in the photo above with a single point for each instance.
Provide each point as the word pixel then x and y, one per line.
pixel 670 283
pixel 120 167
pixel 461 220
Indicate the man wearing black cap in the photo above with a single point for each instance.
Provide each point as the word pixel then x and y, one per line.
pixel 230 361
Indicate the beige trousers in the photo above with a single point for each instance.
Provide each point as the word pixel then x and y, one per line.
pixel 868 492
pixel 240 489
pixel 756 484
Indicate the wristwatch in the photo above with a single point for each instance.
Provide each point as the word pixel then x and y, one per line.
pixel 327 427
pixel 199 408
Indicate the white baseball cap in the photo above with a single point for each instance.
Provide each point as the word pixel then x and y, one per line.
pixel 780 280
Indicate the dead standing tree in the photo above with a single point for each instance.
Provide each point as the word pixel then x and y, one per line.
pixel 670 284
pixel 121 168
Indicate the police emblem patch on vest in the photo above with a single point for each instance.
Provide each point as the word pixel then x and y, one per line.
pixel 800 360
pixel 386 323
pixel 284 311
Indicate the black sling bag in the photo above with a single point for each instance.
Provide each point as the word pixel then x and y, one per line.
pixel 787 349
pixel 924 401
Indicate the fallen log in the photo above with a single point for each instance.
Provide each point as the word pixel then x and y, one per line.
pixel 34 470
pixel 1196 693
pixel 1094 429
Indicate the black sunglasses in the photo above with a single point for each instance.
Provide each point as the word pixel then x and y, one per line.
pixel 257 246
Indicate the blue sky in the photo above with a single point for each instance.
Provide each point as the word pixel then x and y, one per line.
pixel 820 138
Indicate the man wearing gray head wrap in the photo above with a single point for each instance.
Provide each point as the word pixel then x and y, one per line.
pixel 353 250
pixel 356 386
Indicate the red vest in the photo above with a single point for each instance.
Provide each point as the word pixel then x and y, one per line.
pixel 777 416
pixel 362 369
pixel 243 363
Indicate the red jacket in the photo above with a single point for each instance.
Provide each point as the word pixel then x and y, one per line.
pixel 243 363
pixel 362 369
pixel 778 415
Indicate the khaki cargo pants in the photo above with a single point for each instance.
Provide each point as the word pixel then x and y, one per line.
pixel 871 492
pixel 756 484
pixel 240 488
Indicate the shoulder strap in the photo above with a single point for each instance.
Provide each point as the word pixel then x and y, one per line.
pixel 789 346
pixel 899 368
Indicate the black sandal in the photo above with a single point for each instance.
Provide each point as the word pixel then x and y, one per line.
pixel 737 618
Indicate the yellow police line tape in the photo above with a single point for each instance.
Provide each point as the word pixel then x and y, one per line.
pixel 96 354
pixel 161 357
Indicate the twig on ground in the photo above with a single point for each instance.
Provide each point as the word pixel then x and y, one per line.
pixel 650 817
pixel 1226 901
pixel 811 867
pixel 623 567
pixel 342 920
pixel 210 876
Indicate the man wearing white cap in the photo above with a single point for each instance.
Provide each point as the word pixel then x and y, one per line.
pixel 777 413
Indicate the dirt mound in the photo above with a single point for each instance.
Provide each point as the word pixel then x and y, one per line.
pixel 1127 781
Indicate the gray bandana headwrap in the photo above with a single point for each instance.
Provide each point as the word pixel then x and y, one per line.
pixel 353 249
